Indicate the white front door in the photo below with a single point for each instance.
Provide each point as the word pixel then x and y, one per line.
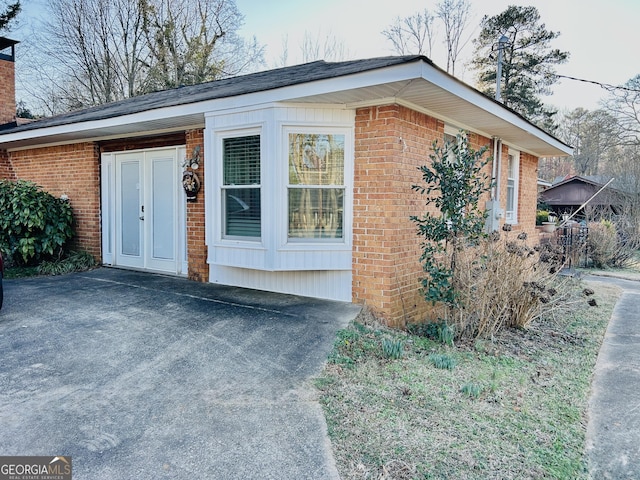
pixel 130 210
pixel 145 213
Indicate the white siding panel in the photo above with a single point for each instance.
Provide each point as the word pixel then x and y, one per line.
pixel 314 260
pixel 246 256
pixel 311 116
pixel 331 285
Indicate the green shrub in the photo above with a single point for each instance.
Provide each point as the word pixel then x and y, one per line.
pixel 454 181
pixel 471 390
pixel 542 216
pixel 442 360
pixel 392 348
pixel 74 262
pixel 438 331
pixel 34 225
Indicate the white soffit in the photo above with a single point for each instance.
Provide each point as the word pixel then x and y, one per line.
pixel 450 100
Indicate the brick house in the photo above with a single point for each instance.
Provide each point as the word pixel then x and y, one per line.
pixel 305 175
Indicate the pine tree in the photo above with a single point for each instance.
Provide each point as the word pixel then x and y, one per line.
pixel 528 61
pixel 8 15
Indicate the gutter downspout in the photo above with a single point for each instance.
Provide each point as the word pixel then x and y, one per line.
pixel 494 170
pixel 493 205
pixel 498 178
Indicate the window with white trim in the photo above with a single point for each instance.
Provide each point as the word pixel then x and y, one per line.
pixel 513 175
pixel 316 188
pixel 241 188
pixel 450 138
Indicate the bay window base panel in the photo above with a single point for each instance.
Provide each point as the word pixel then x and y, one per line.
pixel 328 284
pixel 296 259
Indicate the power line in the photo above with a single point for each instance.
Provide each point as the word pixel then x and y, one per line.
pixel 606 86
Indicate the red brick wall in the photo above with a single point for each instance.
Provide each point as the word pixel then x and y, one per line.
pixel 391 142
pixel 72 170
pixel 7 92
pixel 528 195
pixel 6 170
pixel 196 248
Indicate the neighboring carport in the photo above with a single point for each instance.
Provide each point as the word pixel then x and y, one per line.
pixel 146 376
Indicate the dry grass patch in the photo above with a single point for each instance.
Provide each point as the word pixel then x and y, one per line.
pixel 510 408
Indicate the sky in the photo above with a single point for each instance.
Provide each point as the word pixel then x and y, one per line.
pixel 602 37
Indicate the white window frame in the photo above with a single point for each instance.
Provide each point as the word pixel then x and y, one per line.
pixel 345 186
pixel 317 244
pixel 513 180
pixel 220 136
pixel 450 135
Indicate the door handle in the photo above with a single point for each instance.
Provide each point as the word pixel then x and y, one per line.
pixel 142 210
pixel 142 217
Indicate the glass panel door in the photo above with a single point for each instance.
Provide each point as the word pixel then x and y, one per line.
pixel 147 211
pixel 161 215
pixel 130 211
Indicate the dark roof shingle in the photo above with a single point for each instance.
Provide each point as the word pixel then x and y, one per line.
pixel 228 87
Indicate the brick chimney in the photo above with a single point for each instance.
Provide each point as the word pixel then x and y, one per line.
pixel 7 81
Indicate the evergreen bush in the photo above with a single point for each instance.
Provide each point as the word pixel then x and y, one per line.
pixel 34 225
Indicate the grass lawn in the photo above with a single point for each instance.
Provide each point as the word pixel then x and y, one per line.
pixel 513 407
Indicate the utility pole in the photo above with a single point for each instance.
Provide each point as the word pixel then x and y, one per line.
pixel 501 43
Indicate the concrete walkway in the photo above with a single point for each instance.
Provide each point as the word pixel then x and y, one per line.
pixel 613 431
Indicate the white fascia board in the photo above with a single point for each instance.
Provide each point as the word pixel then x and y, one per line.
pixel 98 138
pixel 97 125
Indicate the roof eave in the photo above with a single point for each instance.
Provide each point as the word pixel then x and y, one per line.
pixel 404 81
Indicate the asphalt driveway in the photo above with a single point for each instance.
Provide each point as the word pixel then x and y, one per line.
pixel 146 376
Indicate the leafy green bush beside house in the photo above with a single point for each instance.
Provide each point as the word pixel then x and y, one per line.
pixel 34 225
pixel 485 283
pixel 542 216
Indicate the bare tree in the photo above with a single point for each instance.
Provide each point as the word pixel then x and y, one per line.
pixel 593 135
pixel 550 168
pixel 130 49
pixel 454 15
pixel 624 104
pixel 96 51
pixel 322 47
pixel 87 52
pixel 194 42
pixel 412 35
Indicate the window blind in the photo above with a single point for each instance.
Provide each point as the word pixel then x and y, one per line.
pixel 242 160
